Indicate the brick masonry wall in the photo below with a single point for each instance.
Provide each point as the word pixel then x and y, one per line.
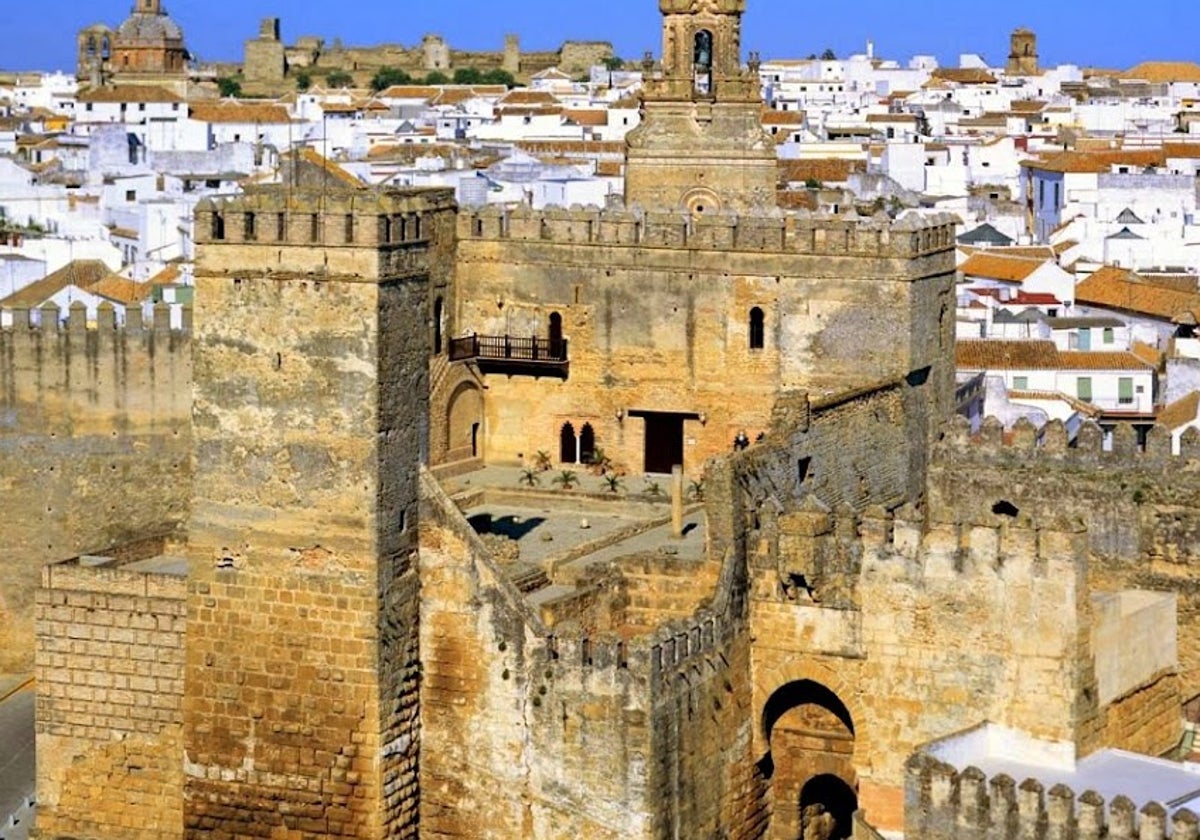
pixel 95 442
pixel 110 686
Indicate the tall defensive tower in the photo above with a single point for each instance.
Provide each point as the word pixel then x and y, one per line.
pixel 700 145
pixel 312 345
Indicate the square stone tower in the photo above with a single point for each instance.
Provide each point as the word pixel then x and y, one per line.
pixel 700 145
pixel 312 344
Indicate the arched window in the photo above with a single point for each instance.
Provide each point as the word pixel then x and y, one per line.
pixel 587 443
pixel 567 445
pixel 105 48
pixel 437 326
pixel 757 329
pixel 91 46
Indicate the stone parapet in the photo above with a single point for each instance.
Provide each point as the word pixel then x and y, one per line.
pixel 1026 442
pixel 787 233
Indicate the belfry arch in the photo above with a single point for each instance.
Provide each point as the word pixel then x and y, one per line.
pixel 809 766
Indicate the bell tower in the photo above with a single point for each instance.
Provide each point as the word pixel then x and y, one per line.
pixel 701 146
pixel 147 7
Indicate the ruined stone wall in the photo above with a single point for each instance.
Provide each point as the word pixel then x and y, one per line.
pixel 110 673
pixel 1139 506
pixel 947 804
pixel 95 438
pixel 576 729
pixel 657 311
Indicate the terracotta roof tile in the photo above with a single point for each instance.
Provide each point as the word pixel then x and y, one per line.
pixel 832 170
pixel 122 290
pixel 995 267
pixel 964 75
pixel 128 93
pixel 233 111
pixel 83 274
pixel 1121 289
pixel 1181 412
pixel 1006 355
pixel 1097 161
pixel 1164 71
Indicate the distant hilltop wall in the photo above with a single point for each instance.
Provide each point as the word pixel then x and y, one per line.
pixel 95 445
pixel 268 61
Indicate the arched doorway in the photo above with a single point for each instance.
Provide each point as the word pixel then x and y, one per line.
pixel 556 335
pixel 567 445
pixel 810 765
pixel 587 444
pixel 464 420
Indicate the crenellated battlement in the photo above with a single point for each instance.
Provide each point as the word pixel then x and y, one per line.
pixel 352 217
pixel 777 232
pixel 1052 444
pixel 50 319
pixel 905 545
pixel 942 803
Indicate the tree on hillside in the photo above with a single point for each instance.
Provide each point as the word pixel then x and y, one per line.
pixel 468 76
pixel 386 77
pixel 229 86
pixel 303 80
pixel 437 77
pixel 339 79
pixel 499 77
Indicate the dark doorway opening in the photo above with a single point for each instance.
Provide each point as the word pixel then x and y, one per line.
pixel 556 335
pixel 827 806
pixel 664 442
pixel 587 444
pixel 566 444
pixel 474 440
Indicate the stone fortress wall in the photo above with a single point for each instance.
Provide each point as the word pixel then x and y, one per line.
pixel 1138 504
pixel 664 324
pixel 95 446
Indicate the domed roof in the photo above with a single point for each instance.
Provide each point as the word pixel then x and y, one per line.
pixel 149 28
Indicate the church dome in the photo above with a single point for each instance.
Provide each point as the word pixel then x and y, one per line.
pixel 149 28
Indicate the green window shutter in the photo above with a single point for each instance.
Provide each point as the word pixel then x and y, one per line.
pixel 1125 389
pixel 1108 335
pixel 1020 383
pixel 1084 388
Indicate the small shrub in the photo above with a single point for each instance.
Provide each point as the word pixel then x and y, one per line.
pixel 530 478
pixel 696 491
pixel 541 460
pixel 652 489
pixel 613 483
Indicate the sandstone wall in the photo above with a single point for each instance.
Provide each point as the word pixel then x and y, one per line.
pixel 110 673
pixel 939 629
pixel 1139 507
pixel 95 443
pixel 656 310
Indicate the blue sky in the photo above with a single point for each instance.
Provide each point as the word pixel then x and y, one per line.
pixel 1097 33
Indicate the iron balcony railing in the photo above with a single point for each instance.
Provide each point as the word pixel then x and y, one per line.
pixel 512 354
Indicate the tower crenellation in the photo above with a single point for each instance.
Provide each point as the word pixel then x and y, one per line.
pixel 942 803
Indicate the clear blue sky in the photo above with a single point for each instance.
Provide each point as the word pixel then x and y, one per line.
pixel 40 35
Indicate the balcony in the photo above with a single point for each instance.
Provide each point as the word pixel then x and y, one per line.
pixel 512 355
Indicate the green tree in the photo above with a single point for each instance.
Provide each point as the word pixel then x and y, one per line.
pixel 499 77
pixel 437 77
pixel 303 80
pixel 229 86
pixel 829 55
pixel 339 79
pixel 468 76
pixel 613 63
pixel 388 76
